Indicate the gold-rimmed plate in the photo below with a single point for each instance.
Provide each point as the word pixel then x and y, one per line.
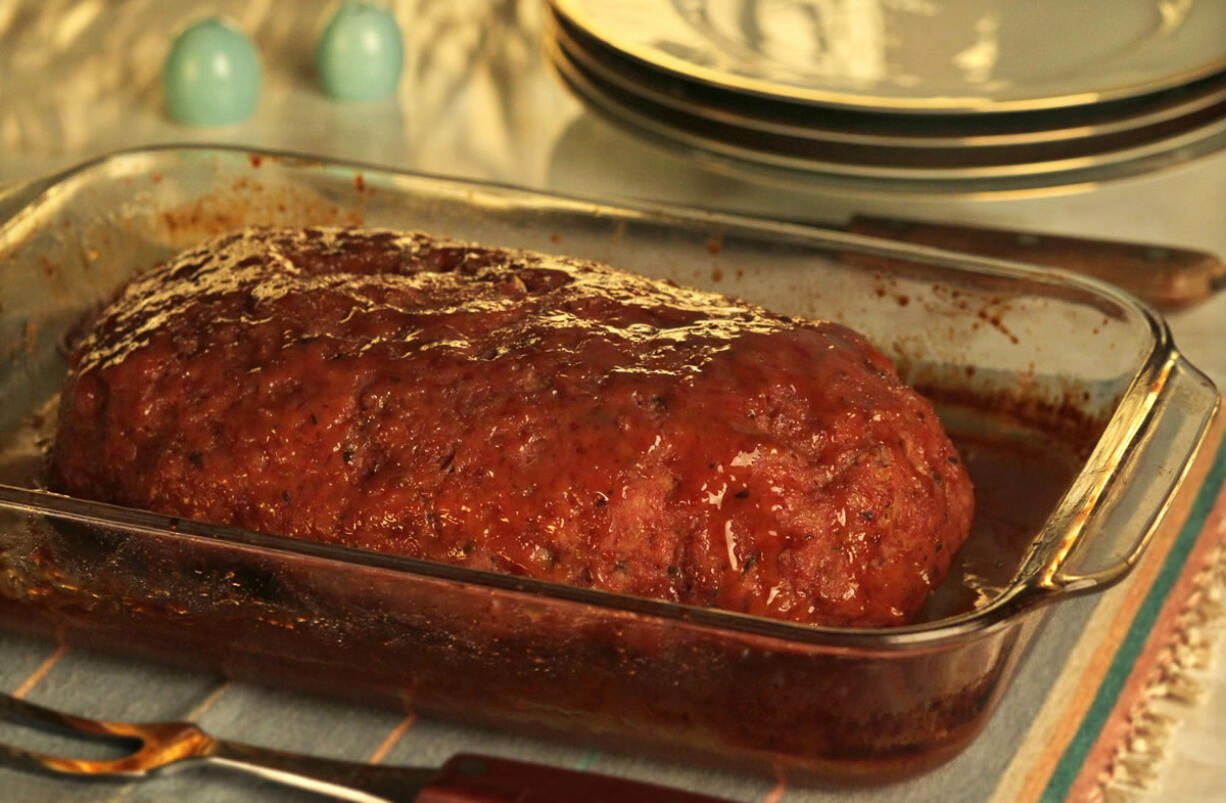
pixel 807 121
pixel 939 170
pixel 935 57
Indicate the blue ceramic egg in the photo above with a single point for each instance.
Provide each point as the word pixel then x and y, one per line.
pixel 360 54
pixel 211 75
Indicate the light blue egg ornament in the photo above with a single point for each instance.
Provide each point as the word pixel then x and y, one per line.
pixel 360 54
pixel 211 76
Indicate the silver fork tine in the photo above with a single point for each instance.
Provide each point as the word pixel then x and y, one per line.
pixel 17 709
pixel 158 744
pixel 175 744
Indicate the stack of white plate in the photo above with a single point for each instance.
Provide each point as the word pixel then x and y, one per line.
pixel 948 93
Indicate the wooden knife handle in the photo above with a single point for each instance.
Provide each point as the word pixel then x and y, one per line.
pixel 484 779
pixel 1169 278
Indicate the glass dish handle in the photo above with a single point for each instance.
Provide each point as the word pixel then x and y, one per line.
pixel 1110 516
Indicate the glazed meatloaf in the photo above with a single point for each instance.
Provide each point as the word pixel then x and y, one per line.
pixel 516 412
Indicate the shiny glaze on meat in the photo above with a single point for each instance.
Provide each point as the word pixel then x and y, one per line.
pixel 516 412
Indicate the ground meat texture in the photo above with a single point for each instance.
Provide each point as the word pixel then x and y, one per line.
pixel 516 412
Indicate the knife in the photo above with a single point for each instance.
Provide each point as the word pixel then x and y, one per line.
pixel 1169 278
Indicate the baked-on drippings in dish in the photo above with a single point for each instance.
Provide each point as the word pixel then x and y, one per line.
pixel 516 412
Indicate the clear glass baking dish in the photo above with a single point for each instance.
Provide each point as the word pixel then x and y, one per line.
pixel 1077 415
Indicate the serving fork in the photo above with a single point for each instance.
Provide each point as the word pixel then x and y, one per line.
pixel 163 746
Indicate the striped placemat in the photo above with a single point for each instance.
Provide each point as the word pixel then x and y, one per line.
pixel 1107 728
